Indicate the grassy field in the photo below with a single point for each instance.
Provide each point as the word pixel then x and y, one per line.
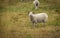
pixel 15 23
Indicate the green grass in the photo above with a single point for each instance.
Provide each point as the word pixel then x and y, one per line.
pixel 15 21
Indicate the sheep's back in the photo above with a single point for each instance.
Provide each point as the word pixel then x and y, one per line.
pixel 34 2
pixel 41 16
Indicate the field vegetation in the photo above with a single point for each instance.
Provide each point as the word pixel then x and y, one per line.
pixel 15 23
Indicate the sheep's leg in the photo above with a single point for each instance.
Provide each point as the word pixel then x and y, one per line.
pixel 34 23
pixel 36 7
pixel 44 22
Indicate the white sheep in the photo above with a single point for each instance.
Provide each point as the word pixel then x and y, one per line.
pixel 38 18
pixel 36 3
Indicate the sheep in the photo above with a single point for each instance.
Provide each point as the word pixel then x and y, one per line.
pixel 38 18
pixel 36 3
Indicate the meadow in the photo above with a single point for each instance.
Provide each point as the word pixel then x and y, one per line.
pixel 15 23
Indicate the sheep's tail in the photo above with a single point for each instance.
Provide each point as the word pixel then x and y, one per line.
pixel 36 4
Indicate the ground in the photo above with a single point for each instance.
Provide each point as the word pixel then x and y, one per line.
pixel 15 21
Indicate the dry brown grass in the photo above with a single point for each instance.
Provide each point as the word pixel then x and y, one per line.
pixel 15 22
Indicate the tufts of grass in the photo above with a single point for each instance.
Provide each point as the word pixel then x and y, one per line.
pixel 15 21
pixel 28 36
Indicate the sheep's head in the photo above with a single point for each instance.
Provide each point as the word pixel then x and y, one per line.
pixel 30 13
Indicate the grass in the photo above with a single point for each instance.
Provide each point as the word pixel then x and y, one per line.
pixel 15 21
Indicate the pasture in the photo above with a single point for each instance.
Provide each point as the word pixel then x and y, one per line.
pixel 15 23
